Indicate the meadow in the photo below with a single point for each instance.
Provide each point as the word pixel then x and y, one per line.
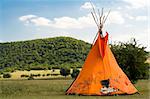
pixel 55 89
pixel 43 74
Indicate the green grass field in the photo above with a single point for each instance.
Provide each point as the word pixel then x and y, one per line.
pixel 55 89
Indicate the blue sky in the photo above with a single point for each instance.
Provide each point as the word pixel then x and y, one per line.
pixel 33 19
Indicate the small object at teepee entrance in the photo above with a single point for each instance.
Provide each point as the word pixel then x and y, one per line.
pixel 106 89
pixel 101 74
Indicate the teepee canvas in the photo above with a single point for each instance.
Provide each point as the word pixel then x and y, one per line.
pixel 100 74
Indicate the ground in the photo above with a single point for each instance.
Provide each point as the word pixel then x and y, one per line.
pixel 55 89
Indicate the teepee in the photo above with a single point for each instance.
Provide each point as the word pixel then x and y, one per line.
pixel 100 74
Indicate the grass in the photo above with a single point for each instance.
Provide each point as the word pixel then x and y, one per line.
pixel 55 89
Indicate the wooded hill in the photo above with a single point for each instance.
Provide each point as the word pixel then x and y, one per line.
pixel 50 52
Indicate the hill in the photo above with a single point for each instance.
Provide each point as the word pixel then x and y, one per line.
pixel 50 52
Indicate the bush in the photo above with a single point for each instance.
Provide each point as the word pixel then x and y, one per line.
pixel 24 75
pixel 1 73
pixel 7 75
pixel 28 69
pixel 39 75
pixel 65 71
pixel 31 77
pixel 54 74
pixel 75 73
pixel 48 74
pixel 131 58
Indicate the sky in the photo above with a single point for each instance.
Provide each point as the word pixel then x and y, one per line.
pixel 35 19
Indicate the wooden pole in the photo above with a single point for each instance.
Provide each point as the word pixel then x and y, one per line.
pixel 95 19
pixel 106 17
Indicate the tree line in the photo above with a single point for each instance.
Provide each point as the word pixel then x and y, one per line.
pixel 43 53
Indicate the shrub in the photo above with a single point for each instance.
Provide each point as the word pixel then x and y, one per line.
pixel 1 72
pixel 31 77
pixel 54 74
pixel 75 73
pixel 48 74
pixel 49 68
pixel 64 71
pixel 24 75
pixel 7 75
pixel 39 75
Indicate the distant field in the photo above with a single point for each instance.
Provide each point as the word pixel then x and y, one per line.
pixel 55 89
pixel 54 73
pixel 43 74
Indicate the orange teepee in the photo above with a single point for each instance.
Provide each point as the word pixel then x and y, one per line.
pixel 100 74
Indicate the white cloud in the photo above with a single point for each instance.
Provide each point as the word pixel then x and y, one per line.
pixel 87 5
pixel 61 22
pixel 40 21
pixel 66 22
pixel 128 25
pixel 136 3
pixel 116 17
pixel 129 16
pixel 26 17
pixel 119 8
pixel 141 18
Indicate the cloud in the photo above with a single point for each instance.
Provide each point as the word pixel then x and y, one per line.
pixel 129 16
pixel 26 17
pixel 61 22
pixel 66 22
pixel 39 21
pixel 137 18
pixel 128 25
pixel 116 17
pixel 136 3
pixel 141 18
pixel 87 5
pixel 119 8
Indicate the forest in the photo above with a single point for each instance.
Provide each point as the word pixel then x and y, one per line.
pixel 43 53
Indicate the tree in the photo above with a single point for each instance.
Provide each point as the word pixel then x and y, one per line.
pixel 64 71
pixel 131 58
pixel 75 73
